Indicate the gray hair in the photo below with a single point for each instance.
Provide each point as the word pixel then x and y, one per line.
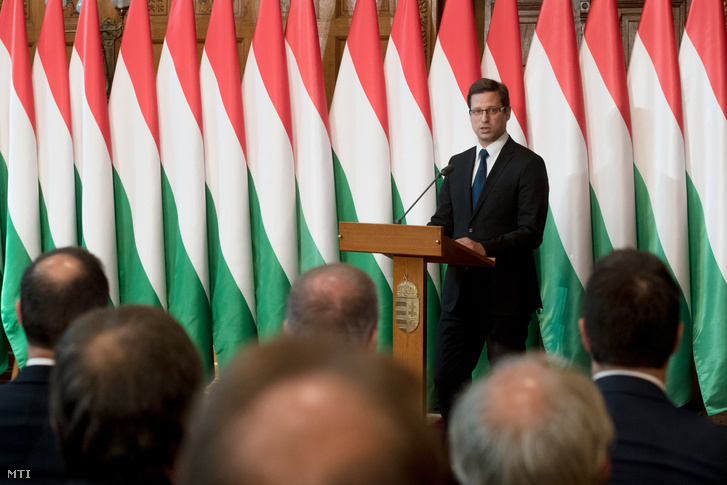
pixel 336 301
pixel 530 422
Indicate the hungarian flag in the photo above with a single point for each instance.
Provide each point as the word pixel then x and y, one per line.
pixel 228 216
pixel 503 61
pixel 317 231
pixel 553 92
pixel 660 174
pixel 92 146
pixel 22 233
pixel 410 142
pixel 608 125
pixel 137 174
pixel 702 58
pixel 268 132
pixel 183 183
pixel 359 136
pixel 455 66
pixel 56 171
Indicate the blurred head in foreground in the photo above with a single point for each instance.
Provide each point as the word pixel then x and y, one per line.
pixel 123 387
pixel 312 413
pixel 529 422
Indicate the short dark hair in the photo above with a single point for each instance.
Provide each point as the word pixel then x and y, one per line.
pixel 485 85
pixel 49 302
pixel 631 310
pixel 123 385
pixel 393 395
pixel 337 300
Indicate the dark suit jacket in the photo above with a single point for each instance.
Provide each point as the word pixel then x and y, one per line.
pixel 508 221
pixel 657 442
pixel 26 439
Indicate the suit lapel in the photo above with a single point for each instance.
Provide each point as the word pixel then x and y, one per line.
pixel 502 161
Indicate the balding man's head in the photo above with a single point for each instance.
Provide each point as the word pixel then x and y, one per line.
pixel 530 423
pixel 336 301
pixel 57 287
pixel 312 413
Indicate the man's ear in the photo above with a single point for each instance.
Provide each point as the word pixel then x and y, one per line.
pixel 584 337
pixel 680 334
pixel 374 338
pixel 18 313
pixel 286 330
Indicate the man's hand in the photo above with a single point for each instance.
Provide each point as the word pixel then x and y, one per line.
pixel 473 245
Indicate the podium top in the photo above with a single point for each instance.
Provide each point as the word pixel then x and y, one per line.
pixel 428 242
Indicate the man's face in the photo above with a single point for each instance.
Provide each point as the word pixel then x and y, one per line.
pixel 487 127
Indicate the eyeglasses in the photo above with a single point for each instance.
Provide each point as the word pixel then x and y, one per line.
pixel 490 111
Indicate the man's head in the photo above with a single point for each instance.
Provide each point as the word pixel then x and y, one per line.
pixel 57 287
pixel 336 301
pixel 631 311
pixel 123 385
pixel 489 104
pixel 531 423
pixel 311 413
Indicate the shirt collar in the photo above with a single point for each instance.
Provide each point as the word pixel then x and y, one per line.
pixel 630 373
pixel 40 361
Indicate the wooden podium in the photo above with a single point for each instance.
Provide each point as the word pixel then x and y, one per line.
pixel 411 247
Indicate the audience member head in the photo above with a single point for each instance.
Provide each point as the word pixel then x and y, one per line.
pixel 57 287
pixel 123 386
pixel 336 301
pixel 631 311
pixel 531 423
pixel 312 413
pixel 485 85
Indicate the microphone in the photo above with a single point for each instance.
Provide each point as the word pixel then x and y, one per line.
pixel 445 171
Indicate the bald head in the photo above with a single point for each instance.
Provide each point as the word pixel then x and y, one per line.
pixel 336 301
pixel 57 287
pixel 530 423
pixel 312 413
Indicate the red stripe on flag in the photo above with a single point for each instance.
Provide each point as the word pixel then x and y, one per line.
pixel 406 34
pixel 268 42
pixel 139 59
pixel 52 53
pixel 556 31
pixel 707 31
pixel 221 50
pixel 503 40
pixel 656 31
pixel 181 39
pixel 15 37
pixel 603 35
pixel 301 32
pixel 458 39
pixel 364 44
pixel 88 47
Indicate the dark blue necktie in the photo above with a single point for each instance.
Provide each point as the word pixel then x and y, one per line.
pixel 479 178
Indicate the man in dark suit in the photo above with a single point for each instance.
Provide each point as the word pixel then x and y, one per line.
pixel 495 203
pixel 59 286
pixel 631 326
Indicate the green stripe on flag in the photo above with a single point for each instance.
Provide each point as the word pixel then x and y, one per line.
pixel 709 305
pixel 398 207
pixel 16 260
pixel 562 294
pixel 271 282
pixel 134 284
pixel 79 212
pixel 308 254
pixel 187 300
pixel 4 344
pixel 601 241
pixel 233 324
pixel 46 237
pixel 679 372
pixel 366 261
